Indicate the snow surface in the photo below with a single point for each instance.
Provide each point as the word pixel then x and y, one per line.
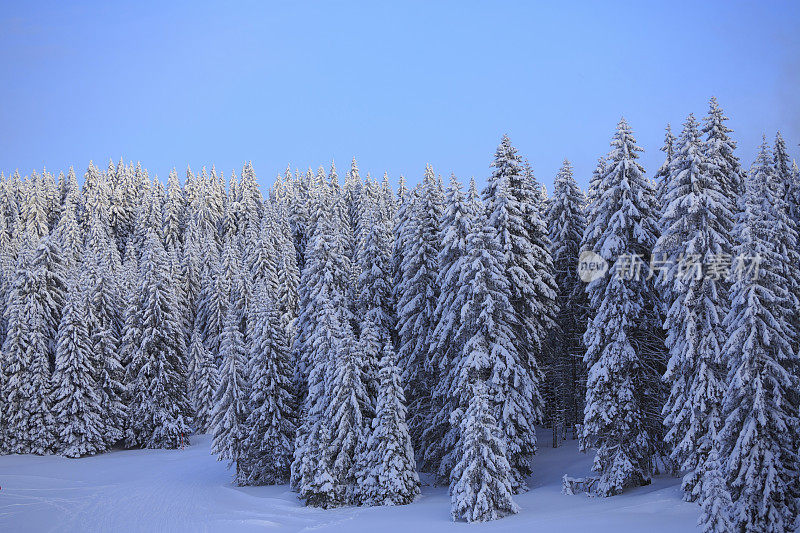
pixel 188 490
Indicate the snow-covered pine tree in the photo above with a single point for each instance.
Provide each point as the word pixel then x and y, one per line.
pixel 68 233
pixel 784 187
pixel 228 421
pixel 474 201
pixel 624 351
pixel 52 199
pixel 212 302
pixel 374 304
pixel 402 235
pixel 715 501
pixel 173 214
pixel 104 319
pixel 122 209
pixel 250 201
pixel 260 255
pixel 352 200
pixel 442 437
pixel 77 407
pixel 481 487
pixel 272 409
pixel 416 304
pixel 325 276
pixel 28 420
pixel 286 296
pixel 321 330
pixel 592 199
pixel 489 349
pixel 203 382
pixel 374 282
pixel 33 210
pixel 158 412
pixel 388 206
pixel 567 223
pixel 696 222
pixel 191 266
pixel 663 172
pixel 348 413
pixel 96 196
pixel 719 152
pixel 47 265
pixel 760 418
pixel 48 295
pixel 388 475
pixel 512 210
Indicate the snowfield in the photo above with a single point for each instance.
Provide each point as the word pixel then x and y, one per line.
pixel 188 490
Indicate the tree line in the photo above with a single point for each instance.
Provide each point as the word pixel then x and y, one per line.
pixel 343 337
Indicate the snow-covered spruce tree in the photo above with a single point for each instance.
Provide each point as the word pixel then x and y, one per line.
pixel 52 199
pixel 296 204
pixel 96 195
pixel 68 233
pixel 474 201
pixel 122 210
pixel 241 293
pixel 27 418
pixel 760 419
pixel 191 265
pixel 624 352
pixel 348 413
pixel 513 213
pixel 388 206
pixel 374 305
pixel 260 255
pixel 416 305
pixel 402 235
pixel 784 186
pixel 77 407
pixel 325 276
pixel 322 328
pixel 43 305
pixel 715 500
pixel 272 408
pixel 351 193
pixel 203 382
pixel 33 210
pixel 311 467
pixel 662 174
pixel 592 199
pixel 212 302
pixel 288 275
pixel 567 223
pixel 228 420
pixel 719 150
pixel 388 475
pixel 488 348
pixel 481 488
pixel 47 265
pixel 173 214
pixel 374 282
pixel 696 222
pixel 158 411
pixel 100 269
pixel 442 437
pixel 793 193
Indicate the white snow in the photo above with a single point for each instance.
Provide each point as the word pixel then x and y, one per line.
pixel 188 490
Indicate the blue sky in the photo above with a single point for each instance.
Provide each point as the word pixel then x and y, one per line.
pixel 397 85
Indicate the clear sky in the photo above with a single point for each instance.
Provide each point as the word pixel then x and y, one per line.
pixel 397 85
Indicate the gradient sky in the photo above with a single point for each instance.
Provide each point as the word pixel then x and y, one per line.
pixel 397 85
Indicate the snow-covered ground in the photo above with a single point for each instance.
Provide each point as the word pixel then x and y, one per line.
pixel 188 490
